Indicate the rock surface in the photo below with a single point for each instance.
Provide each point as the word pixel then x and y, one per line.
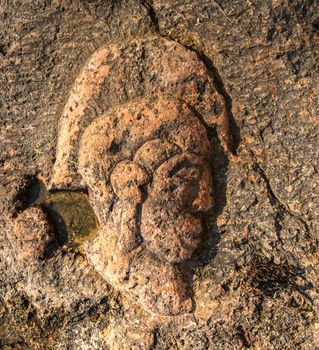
pixel 253 278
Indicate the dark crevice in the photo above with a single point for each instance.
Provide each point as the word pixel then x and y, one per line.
pixel 234 129
pixel 138 215
pixel 242 336
pixel 155 339
pixel 58 223
pixel 201 119
pixel 27 194
pixel 275 201
pixel 3 49
pixel 152 14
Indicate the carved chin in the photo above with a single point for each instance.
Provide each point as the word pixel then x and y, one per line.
pixel 179 252
pixel 176 257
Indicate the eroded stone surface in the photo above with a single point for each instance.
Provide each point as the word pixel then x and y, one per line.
pixel 33 236
pixel 266 56
pixel 134 132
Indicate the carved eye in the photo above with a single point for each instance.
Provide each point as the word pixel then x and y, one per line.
pixel 184 185
pixel 191 174
pixel 185 170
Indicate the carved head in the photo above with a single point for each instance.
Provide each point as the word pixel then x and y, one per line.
pixel 150 164
pixel 146 164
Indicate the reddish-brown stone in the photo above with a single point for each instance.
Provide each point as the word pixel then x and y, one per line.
pixel 136 137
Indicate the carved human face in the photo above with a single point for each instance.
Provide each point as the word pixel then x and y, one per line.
pixel 171 216
pixel 147 170
pixel 129 136
pixel 162 188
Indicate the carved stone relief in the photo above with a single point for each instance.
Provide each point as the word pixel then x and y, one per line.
pixel 134 134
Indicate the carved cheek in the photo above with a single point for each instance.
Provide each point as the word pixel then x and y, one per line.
pixel 175 191
pixel 170 234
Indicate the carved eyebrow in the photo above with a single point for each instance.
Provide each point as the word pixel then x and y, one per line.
pixel 154 153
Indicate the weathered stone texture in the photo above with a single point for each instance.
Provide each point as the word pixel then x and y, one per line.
pixel 254 274
pixel 134 132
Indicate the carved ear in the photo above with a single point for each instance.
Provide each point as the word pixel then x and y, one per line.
pixel 126 179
